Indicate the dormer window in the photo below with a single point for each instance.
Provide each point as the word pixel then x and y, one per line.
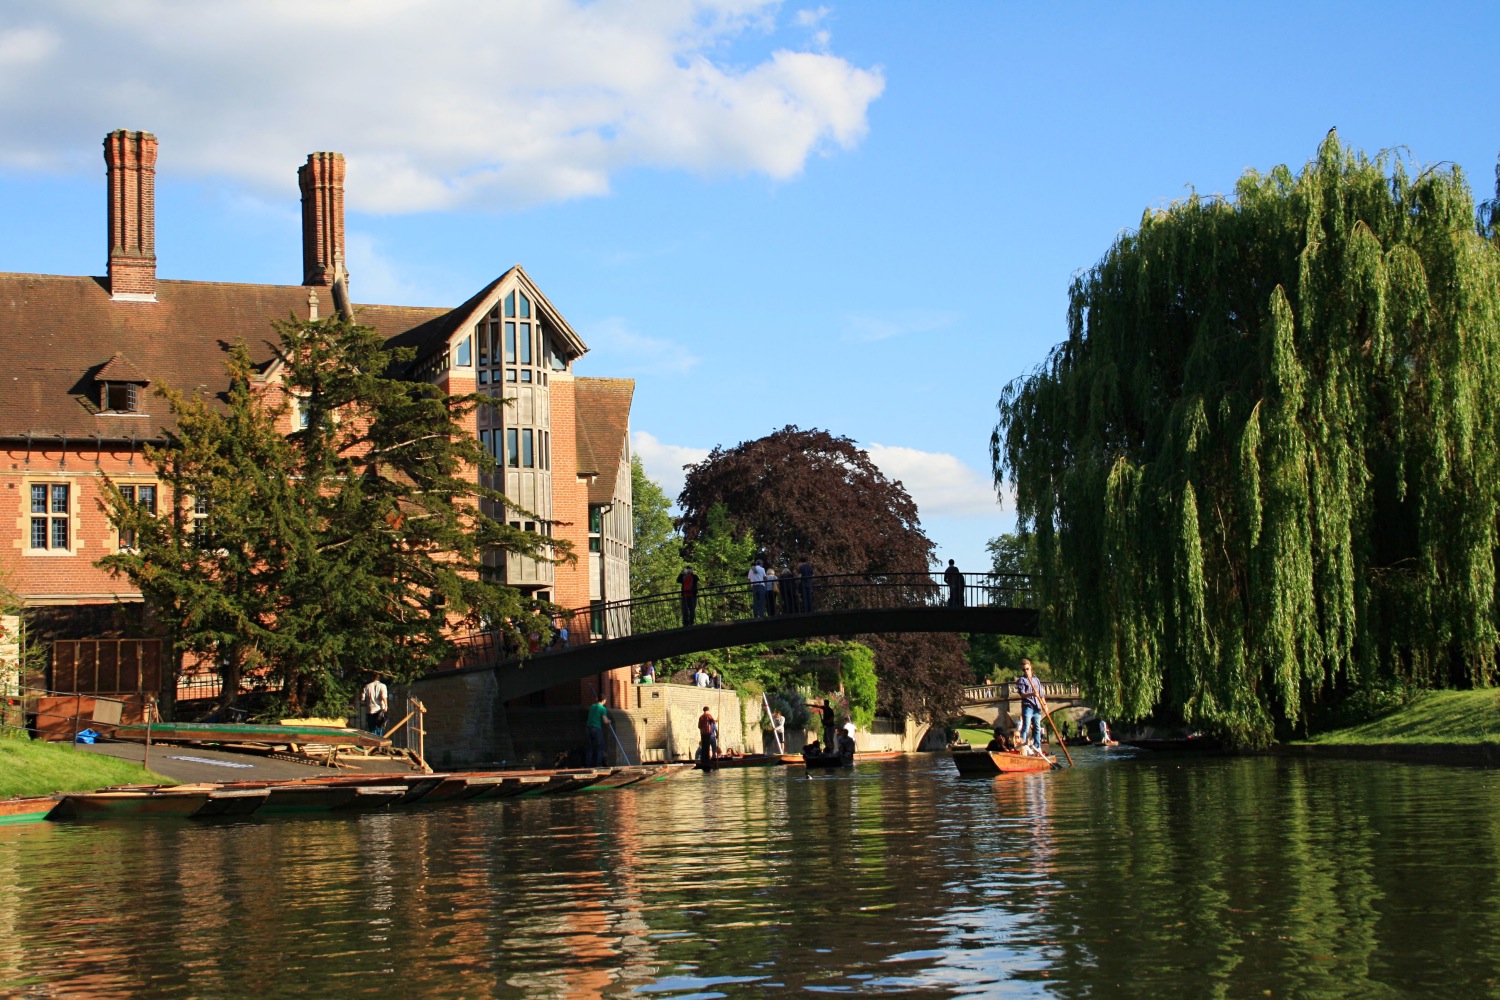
pixel 121 397
pixel 120 386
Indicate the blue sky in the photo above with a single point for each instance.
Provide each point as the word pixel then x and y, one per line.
pixel 856 216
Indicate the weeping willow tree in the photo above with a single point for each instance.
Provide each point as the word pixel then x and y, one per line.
pixel 1263 470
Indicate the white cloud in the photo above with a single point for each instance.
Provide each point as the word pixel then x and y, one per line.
pixel 883 325
pixel 436 105
pixel 940 483
pixel 664 461
pixel 619 348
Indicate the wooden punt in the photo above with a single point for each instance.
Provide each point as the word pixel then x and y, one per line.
pixel 375 796
pixel 162 803
pixel 240 733
pixel 744 760
pixel 299 797
pixel 28 809
pixel 794 759
pixel 508 786
pixel 233 802
pixel 666 772
pixel 619 778
pixel 570 781
pixel 827 761
pixel 984 762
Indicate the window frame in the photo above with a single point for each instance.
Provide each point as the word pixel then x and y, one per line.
pixel 46 518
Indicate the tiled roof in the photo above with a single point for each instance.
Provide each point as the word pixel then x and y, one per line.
pixel 602 417
pixel 58 333
pixel 121 369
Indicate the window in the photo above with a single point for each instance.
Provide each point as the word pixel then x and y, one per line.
pixel 525 341
pixel 596 617
pixel 510 343
pixel 121 397
pixel 462 356
pixel 143 497
pixel 596 528
pixel 49 516
pixel 484 375
pixel 510 305
pixel 528 456
pixel 201 536
pixel 482 332
pixel 512 451
pixel 485 442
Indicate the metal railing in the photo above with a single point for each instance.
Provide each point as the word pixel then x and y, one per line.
pixel 738 602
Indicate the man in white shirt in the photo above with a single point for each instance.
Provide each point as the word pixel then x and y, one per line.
pixel 700 677
pixel 757 577
pixel 374 700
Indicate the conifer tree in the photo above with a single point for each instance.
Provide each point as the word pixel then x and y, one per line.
pixel 1263 470
pixel 351 545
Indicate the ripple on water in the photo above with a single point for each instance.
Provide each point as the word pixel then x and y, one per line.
pixel 1127 877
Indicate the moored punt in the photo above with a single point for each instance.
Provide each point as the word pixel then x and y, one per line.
pixel 983 762
pixel 571 781
pixel 508 786
pixel 162 803
pixel 744 760
pixel 223 732
pixel 232 802
pixel 374 796
pixel 28 809
pixel 619 778
pixel 793 759
pixel 666 772
pixel 1187 744
pixel 298 797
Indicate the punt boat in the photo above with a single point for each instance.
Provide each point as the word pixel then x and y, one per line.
pixel 27 809
pixel 985 762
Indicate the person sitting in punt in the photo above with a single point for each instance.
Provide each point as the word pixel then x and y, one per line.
pixel 812 750
pixel 997 744
pixel 846 746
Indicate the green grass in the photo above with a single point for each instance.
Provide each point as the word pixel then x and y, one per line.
pixel 976 737
pixel 1461 718
pixel 35 768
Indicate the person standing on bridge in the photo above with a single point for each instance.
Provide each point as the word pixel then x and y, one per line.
pixel 688 581
pixel 804 584
pixel 594 729
pixel 954 578
pixel 1033 705
pixel 757 578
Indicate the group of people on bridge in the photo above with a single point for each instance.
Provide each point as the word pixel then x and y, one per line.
pixel 792 588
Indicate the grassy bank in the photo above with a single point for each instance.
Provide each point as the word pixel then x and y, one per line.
pixel 1451 718
pixel 34 768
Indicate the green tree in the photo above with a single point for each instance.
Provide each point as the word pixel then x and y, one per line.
pixel 351 545
pixel 656 558
pixel 998 657
pixel 721 552
pixel 1264 468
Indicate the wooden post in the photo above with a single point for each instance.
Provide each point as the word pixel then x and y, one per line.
pixel 77 712
pixel 146 754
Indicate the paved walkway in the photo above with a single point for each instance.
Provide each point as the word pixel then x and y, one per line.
pixel 193 764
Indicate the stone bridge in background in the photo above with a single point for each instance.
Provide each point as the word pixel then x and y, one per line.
pixel 646 629
pixel 990 703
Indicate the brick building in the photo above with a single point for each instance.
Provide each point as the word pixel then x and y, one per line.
pixel 87 354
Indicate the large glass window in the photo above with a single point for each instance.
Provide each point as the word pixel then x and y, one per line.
pixel 143 497
pixel 512 450
pixel 461 355
pixel 525 340
pixel 510 343
pixel 49 521
pixel 528 456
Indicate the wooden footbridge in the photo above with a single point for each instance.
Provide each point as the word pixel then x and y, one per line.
pixel 623 633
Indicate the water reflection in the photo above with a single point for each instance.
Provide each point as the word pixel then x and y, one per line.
pixel 1125 877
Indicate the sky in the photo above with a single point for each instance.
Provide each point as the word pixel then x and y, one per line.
pixel 861 217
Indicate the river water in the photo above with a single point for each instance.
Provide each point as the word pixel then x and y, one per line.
pixel 1128 876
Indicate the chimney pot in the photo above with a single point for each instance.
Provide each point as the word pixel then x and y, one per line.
pixel 130 163
pixel 322 181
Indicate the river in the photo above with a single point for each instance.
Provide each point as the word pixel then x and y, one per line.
pixel 1129 876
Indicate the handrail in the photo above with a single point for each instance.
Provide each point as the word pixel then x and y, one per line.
pixel 738 601
pixel 978 693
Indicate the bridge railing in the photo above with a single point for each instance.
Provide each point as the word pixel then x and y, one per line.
pixel 736 602
pixel 1052 690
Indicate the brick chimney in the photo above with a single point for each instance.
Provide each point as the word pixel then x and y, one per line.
pixel 322 182
pixel 130 159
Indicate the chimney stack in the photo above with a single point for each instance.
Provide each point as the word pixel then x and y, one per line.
pixel 130 159
pixel 322 182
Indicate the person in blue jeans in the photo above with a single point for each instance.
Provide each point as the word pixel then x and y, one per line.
pixel 594 727
pixel 1033 705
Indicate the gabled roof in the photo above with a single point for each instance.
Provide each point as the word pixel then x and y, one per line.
pixel 601 413
pixel 121 369
pixel 434 337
